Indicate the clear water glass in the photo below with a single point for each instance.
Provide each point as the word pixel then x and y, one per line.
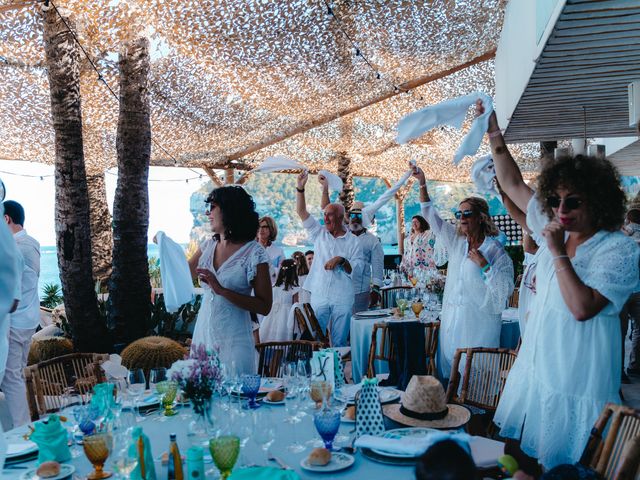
pixel 157 375
pixel 264 432
pixel 136 384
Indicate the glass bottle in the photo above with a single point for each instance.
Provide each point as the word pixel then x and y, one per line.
pixel 175 461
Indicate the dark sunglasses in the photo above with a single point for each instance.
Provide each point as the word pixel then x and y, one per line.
pixel 463 214
pixel 355 215
pixel 570 203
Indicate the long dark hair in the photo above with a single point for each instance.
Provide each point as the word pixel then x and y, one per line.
pixel 424 225
pixel 239 215
pixel 301 263
pixel 287 276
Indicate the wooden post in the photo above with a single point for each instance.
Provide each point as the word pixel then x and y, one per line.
pixel 400 222
pixel 212 175
pixel 229 176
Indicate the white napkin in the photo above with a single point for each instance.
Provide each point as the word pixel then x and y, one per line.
pixel 277 163
pixel 482 174
pixel 450 112
pixel 177 286
pixel 370 210
pixel 413 446
pixel 334 181
pixel 113 367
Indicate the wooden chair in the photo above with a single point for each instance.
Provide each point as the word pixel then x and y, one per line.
pixel 273 354
pixel 613 458
pixel 301 326
pixel 47 381
pixel 514 299
pixel 389 295
pixel 385 351
pixel 318 333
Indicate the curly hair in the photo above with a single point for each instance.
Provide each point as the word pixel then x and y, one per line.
pixel 597 180
pixel 480 207
pixel 239 215
pixel 424 225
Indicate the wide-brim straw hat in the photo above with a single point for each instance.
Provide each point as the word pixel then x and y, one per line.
pixel 423 404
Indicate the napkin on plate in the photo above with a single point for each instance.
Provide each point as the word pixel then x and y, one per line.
pixel 414 446
pixel 264 473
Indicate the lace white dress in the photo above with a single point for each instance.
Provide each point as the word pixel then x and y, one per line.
pixel 473 301
pixel 220 323
pixel 276 327
pixel 567 370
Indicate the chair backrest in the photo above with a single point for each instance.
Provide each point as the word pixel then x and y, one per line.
pixel 273 354
pixel 484 375
pixel 514 299
pixel 389 295
pixel 301 329
pixel 319 334
pixel 384 349
pixel 47 381
pixel 610 458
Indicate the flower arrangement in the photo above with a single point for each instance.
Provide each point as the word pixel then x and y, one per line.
pixel 197 375
pixel 436 284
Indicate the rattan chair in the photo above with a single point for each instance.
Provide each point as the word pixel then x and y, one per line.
pixel 514 299
pixel 301 329
pixel 384 351
pixel 613 458
pixel 318 333
pixel 47 381
pixel 273 354
pixel 389 295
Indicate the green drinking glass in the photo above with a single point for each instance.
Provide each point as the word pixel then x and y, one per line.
pixel 224 451
pixel 167 390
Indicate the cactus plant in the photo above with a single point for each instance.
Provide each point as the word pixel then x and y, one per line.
pixel 152 352
pixel 47 348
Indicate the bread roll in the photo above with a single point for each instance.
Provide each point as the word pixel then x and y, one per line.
pixel 319 457
pixel 350 412
pixel 275 396
pixel 48 469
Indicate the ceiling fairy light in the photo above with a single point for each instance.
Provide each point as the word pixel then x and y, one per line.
pixel 227 76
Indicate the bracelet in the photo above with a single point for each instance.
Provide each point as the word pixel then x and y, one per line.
pixel 424 186
pixel 561 269
pixel 486 267
pixel 560 256
pixel 494 134
pixel 300 190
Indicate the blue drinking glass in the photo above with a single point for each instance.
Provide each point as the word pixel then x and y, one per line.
pixel 250 387
pixel 327 423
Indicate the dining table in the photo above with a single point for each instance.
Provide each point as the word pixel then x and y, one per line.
pixel 158 428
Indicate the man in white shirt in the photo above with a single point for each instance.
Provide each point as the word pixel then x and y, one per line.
pixel 337 254
pixel 26 317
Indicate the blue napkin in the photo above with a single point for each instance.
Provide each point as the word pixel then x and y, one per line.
pixel 264 473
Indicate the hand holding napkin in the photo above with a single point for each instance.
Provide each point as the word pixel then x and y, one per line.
pixel 51 438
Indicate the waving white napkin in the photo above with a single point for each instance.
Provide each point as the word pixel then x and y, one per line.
pixel 413 446
pixel 277 163
pixel 334 181
pixel 482 174
pixel 177 286
pixel 370 210
pixel 450 112
pixel 113 368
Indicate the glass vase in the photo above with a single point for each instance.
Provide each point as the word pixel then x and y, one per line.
pixel 201 427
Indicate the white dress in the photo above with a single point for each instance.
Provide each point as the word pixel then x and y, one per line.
pixel 276 327
pixel 220 323
pixel 473 301
pixel 304 296
pixel 566 369
pixel 276 256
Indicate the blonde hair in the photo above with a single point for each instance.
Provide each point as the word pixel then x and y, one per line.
pixel 480 207
pixel 273 228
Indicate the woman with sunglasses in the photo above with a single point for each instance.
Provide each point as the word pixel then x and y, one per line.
pixel 234 270
pixel 479 276
pixel 569 366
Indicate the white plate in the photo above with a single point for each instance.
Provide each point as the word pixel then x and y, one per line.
pixel 344 419
pixel 148 399
pixel 267 385
pixel 339 461
pixel 417 432
pixel 66 470
pixel 373 313
pixel 20 448
pixel 387 395
pixel 269 402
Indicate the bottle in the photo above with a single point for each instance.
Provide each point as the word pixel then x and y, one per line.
pixel 195 464
pixel 175 461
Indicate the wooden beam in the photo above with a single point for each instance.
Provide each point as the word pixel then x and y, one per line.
pixel 410 85
pixel 212 175
pixel 17 5
pixel 229 176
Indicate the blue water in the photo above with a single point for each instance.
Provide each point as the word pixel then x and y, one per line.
pixel 49 272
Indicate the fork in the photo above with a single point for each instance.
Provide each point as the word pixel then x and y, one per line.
pixel 273 458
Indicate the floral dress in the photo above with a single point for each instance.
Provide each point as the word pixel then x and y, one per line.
pixel 419 252
pixel 220 323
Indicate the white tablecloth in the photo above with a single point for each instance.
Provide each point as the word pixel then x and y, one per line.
pixel 361 339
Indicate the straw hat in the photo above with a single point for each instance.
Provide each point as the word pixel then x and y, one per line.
pixel 423 405
pixel 356 207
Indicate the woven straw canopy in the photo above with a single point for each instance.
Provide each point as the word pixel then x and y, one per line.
pixel 229 77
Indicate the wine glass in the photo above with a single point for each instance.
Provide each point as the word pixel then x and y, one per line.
pixel 97 448
pixel 401 302
pixel 327 423
pixel 167 389
pixel 292 406
pixel 243 428
pixel 417 307
pixel 126 458
pixel 224 451
pixel 135 385
pixel 250 387
pixel 156 376
pixel 264 432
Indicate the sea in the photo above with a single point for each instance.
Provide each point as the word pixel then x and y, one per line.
pixel 49 272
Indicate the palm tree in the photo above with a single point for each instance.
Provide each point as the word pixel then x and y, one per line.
pixel 73 234
pixel 129 289
pixel 344 172
pixel 101 234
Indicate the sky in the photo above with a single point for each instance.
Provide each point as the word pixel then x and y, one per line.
pixel 168 200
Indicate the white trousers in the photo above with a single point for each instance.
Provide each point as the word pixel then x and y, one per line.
pixel 13 385
pixel 337 317
pixel 4 343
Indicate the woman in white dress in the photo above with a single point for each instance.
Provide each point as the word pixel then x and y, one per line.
pixel 277 327
pixel 569 366
pixel 230 266
pixel 479 277
pixel 267 234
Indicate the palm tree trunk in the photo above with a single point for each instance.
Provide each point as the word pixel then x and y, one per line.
pixel 73 234
pixel 130 290
pixel 101 235
pixel 344 172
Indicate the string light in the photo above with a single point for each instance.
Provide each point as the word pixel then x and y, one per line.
pixel 41 177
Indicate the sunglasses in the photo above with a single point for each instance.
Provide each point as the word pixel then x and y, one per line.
pixel 570 203
pixel 463 214
pixel 355 215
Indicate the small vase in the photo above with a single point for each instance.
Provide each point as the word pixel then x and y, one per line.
pixel 201 426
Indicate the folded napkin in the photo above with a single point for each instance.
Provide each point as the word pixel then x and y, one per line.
pixel 414 446
pixel 177 285
pixel 450 112
pixel 113 368
pixel 482 174
pixel 141 448
pixel 264 473
pixel 334 181
pixel 51 438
